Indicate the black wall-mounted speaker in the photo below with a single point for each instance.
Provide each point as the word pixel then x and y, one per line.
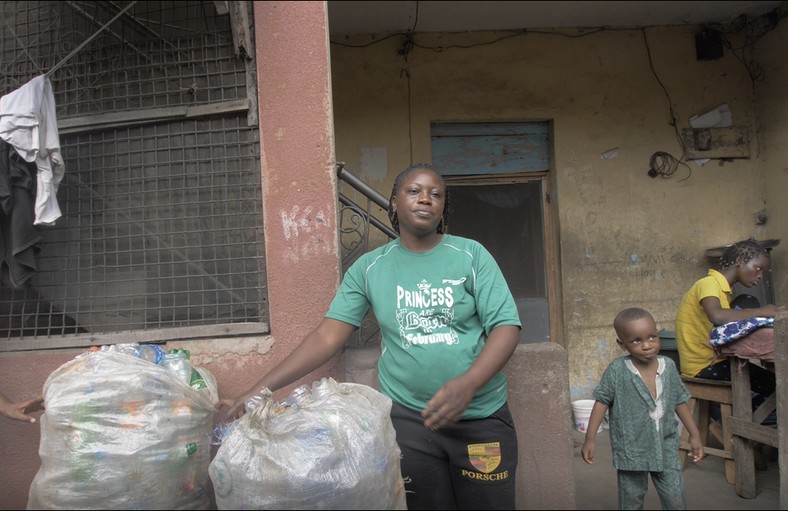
pixel 708 45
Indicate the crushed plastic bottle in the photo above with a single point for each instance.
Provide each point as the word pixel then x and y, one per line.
pixel 177 362
pixel 222 431
pixel 321 388
pixel 298 397
pixel 253 402
pixel 191 448
pixel 129 348
pixel 197 382
pixel 152 353
pixel 186 354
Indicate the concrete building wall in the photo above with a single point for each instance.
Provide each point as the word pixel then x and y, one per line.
pixel 772 115
pixel 781 361
pixel 626 239
pixel 299 190
pixel 539 400
pixel 22 375
pixel 299 201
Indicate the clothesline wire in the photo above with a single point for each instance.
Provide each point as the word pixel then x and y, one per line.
pixel 21 44
pixel 87 41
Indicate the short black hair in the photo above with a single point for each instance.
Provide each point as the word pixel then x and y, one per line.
pixel 629 315
pixel 745 301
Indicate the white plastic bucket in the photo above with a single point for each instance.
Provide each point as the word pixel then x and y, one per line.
pixel 581 410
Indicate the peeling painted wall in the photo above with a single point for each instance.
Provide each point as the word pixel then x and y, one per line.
pixel 302 263
pixel 772 112
pixel 626 239
pixel 299 183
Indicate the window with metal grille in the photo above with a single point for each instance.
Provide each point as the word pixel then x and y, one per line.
pixel 161 229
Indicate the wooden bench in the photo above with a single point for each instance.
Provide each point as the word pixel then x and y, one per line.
pixel 704 392
pixel 746 428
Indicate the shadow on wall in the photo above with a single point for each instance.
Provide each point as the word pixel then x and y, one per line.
pixel 27 314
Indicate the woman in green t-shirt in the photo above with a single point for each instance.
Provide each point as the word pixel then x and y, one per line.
pixel 449 324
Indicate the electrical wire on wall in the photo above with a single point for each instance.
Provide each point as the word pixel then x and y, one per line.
pixel 753 30
pixel 664 164
pixel 407 46
pixel 661 163
pixel 406 74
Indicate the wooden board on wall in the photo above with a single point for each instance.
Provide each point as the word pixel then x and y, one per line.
pixel 700 143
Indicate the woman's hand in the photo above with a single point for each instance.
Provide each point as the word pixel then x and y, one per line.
pixel 453 398
pixel 771 309
pixel 20 411
pixel 236 407
pixel 448 404
pixel 312 352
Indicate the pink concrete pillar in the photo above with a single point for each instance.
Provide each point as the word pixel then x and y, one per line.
pixel 22 376
pixel 298 172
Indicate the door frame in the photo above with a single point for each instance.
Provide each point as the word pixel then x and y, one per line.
pixel 549 235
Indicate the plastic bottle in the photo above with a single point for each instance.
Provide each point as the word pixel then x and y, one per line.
pixel 298 397
pixel 152 353
pixel 253 402
pixel 186 354
pixel 197 382
pixel 119 348
pixel 177 362
pixel 222 431
pixel 191 448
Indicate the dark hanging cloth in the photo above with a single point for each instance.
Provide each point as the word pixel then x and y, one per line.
pixel 19 238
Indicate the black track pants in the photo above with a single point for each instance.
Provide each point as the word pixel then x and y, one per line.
pixel 467 465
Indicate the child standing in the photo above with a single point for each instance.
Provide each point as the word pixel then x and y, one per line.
pixel 642 390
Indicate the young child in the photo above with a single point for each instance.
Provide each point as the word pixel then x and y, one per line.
pixel 642 391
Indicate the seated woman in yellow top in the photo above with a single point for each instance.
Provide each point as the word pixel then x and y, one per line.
pixel 707 304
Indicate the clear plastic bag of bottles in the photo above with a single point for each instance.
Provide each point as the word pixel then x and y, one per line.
pixel 122 432
pixel 331 446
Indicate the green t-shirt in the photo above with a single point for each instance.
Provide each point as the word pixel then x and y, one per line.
pixel 435 310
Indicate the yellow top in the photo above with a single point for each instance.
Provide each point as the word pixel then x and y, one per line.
pixel 693 326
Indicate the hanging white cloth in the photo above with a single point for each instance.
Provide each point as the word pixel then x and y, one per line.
pixel 28 122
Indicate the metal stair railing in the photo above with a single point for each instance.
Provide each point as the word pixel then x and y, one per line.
pixel 355 223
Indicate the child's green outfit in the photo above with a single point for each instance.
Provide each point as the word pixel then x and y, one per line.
pixel 644 432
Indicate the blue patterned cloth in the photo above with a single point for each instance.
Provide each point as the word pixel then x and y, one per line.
pixel 723 334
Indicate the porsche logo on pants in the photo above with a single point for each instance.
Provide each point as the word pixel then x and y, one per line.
pixel 485 457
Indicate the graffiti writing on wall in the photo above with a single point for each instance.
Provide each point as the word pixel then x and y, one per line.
pixel 642 266
pixel 307 232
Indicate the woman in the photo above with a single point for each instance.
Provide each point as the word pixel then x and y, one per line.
pixel 449 324
pixel 707 304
